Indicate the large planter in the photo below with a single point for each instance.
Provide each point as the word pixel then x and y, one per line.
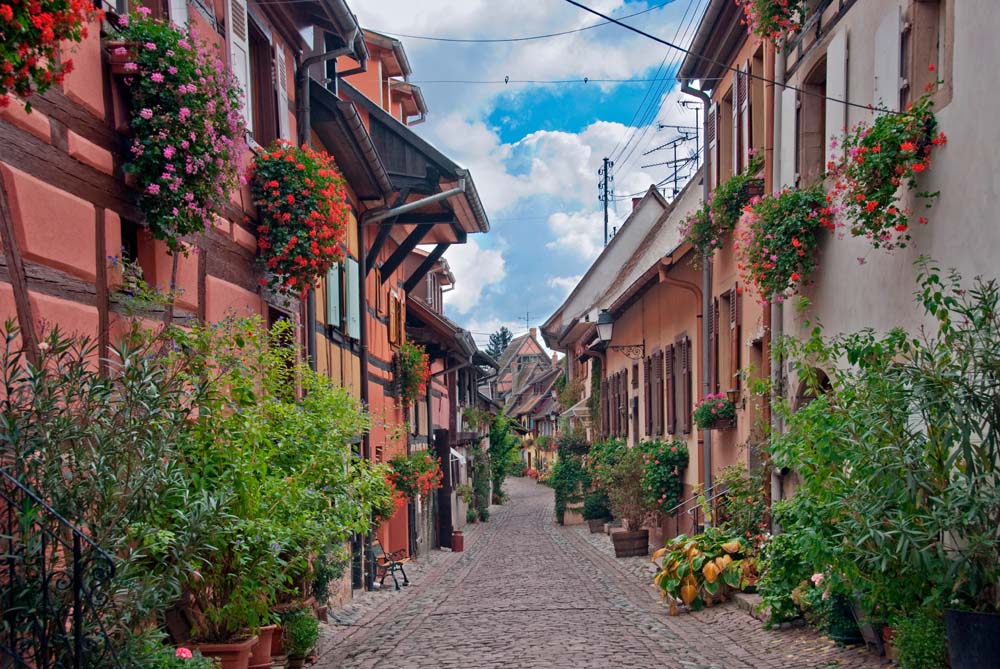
pixel 630 544
pixel 278 643
pixel 596 525
pixel 230 655
pixel 573 514
pixel 296 662
pixel 260 657
pixel 973 639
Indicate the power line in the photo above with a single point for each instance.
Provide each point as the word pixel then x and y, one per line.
pixel 508 80
pixel 730 68
pixel 498 40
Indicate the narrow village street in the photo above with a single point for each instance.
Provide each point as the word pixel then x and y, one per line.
pixel 529 593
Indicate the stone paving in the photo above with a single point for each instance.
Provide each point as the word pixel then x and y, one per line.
pixel 529 593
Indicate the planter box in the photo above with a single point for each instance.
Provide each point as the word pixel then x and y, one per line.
pixel 753 188
pixel 260 657
pixel 630 544
pixel 230 655
pixel 573 514
pixel 722 424
pixel 116 62
pixel 596 525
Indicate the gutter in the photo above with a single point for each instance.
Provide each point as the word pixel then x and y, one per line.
pixel 706 280
pixel 419 204
pixel 777 308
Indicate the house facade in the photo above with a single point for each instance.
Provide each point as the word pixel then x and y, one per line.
pixel 310 74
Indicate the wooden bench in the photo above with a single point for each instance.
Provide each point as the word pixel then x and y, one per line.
pixel 387 564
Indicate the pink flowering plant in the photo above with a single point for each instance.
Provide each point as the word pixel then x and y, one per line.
pixel 776 240
pixel 665 462
pixel 714 407
pixel 188 130
pixel 878 165
pixel 161 656
pixel 776 20
pixel 706 228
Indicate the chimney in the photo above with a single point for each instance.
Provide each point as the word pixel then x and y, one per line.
pixel 533 332
pixel 635 203
pixel 555 359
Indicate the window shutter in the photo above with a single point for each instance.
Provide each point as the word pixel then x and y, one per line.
pixel 734 339
pixel 393 341
pixel 239 53
pixel 647 386
pixel 657 393
pixel 353 307
pixel 671 391
pixel 888 50
pixel 605 425
pixel 836 87
pixel 712 141
pixel 333 312
pixel 789 136
pixel 686 385
pixel 745 113
pixel 401 320
pixel 737 149
pixel 178 11
pixel 281 83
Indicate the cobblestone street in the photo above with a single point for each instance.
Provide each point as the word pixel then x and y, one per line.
pixel 529 593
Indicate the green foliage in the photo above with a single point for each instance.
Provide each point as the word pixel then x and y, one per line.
pixel 594 401
pixel 328 566
pixel 300 632
pixel 742 511
pixel 624 483
pixel 775 245
pixel 699 231
pixel 413 371
pixel 499 341
pixel 920 641
pixel 573 443
pixel 417 473
pixel 135 296
pixel 152 653
pixel 665 463
pixel 601 459
pixel 484 514
pixel 898 460
pixel 471 515
pixel 730 197
pixel 466 493
pixel 784 569
pixel 504 455
pixel 702 568
pixel 569 480
pixel 596 505
pixel 713 408
pixel 480 478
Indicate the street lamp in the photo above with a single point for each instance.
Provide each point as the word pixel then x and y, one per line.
pixel 605 328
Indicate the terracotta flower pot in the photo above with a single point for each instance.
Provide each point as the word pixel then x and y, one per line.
pixel 230 655
pixel 296 662
pixel 278 642
pixel 260 657
pixel 322 614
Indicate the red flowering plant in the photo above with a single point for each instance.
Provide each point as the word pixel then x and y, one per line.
pixel 775 20
pixel 31 32
pixel 880 164
pixel 419 473
pixel 776 240
pixel 714 407
pixel 304 215
pixel 413 371
pixel 187 127
pixel 664 464
pixel 706 227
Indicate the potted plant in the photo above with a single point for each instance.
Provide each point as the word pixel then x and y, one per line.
pixel 300 634
pixel 596 510
pixel 260 656
pixel 701 569
pixel 413 371
pixel 776 20
pixel 628 502
pixel 661 480
pixel 416 474
pixel 715 412
pixel 706 228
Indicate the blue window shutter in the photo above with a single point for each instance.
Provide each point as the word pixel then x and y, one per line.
pixel 353 306
pixel 333 313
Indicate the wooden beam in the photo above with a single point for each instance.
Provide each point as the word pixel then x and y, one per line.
pixel 383 233
pixel 399 255
pixel 425 267
pixel 418 219
pixel 18 280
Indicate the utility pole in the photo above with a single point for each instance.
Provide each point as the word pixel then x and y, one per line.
pixel 691 104
pixel 605 187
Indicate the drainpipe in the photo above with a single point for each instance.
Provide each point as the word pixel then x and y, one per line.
pixel 706 291
pixel 419 204
pixel 777 308
pixel 304 135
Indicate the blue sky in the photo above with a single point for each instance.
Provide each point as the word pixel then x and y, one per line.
pixel 534 149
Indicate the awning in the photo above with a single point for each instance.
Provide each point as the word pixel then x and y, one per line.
pixel 455 455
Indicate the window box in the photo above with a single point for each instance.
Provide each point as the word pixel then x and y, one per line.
pixel 722 424
pixel 120 53
pixel 753 188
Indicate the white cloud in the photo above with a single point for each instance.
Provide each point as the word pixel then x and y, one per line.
pixel 564 284
pixel 580 233
pixel 475 269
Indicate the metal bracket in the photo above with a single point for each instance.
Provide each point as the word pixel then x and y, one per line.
pixel 632 352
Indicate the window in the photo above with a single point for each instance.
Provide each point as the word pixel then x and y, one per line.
pixel 926 40
pixel 725 147
pixel 647 394
pixel 262 92
pixel 810 146
pixel 756 104
pixel 658 393
pixel 679 395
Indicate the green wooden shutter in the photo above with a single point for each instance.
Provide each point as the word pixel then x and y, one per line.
pixel 353 304
pixel 333 311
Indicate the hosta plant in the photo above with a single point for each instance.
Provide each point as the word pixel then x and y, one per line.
pixel 776 20
pixel 186 124
pixel 304 214
pixel 714 407
pixel 702 569
pixel 880 164
pixel 31 34
pixel 776 240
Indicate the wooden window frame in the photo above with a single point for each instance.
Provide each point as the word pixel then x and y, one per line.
pixel 265 128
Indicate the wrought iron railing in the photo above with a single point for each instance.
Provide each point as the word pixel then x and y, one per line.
pixel 54 580
pixel 691 507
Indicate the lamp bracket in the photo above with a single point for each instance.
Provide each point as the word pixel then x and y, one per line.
pixel 632 352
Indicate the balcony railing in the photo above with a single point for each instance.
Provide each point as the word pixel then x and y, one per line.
pixel 53 581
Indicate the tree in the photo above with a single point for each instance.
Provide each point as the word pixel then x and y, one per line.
pixel 499 341
pixel 503 453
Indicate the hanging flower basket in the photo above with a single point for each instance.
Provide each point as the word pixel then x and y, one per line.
pixel 304 215
pixel 779 21
pixel 880 165
pixel 186 125
pixel 418 473
pixel 715 412
pixel 706 228
pixel 776 240
pixel 413 372
pixel 32 36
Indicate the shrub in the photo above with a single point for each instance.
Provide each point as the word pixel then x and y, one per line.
pixel 665 463
pixel 783 570
pixel 300 631
pixel 569 480
pixel 625 487
pixel 304 215
pixel 596 506
pixel 187 128
pixel 743 509
pixel 920 641
pixel 471 515
pixel 484 514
